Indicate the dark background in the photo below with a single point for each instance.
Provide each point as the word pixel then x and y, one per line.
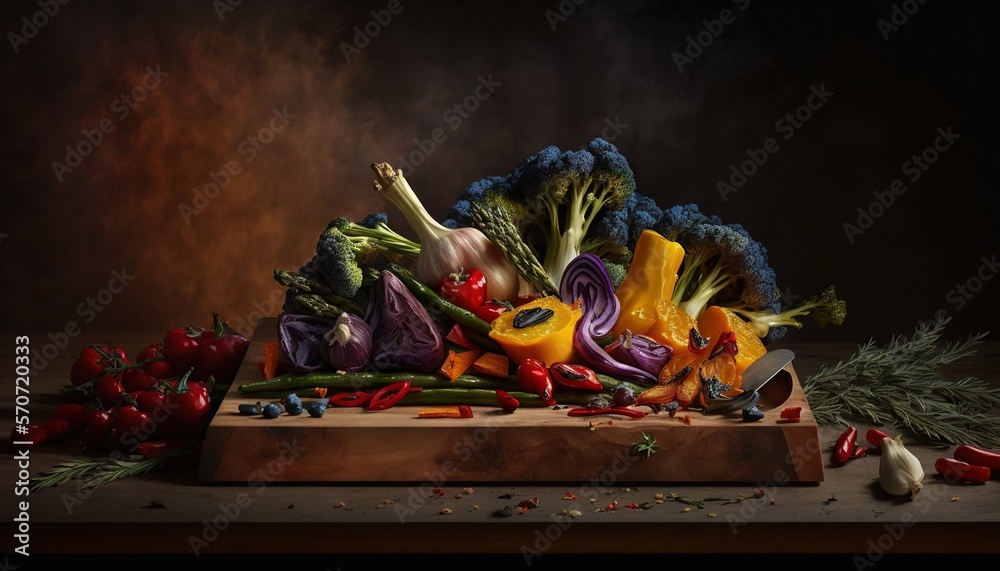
pixel 561 82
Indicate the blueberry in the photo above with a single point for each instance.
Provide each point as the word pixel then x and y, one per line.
pixel 752 414
pixel 250 408
pixel 293 407
pixel 272 411
pixel 316 409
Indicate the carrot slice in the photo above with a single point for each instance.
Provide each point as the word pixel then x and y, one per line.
pixel 272 357
pixel 458 411
pixel 493 364
pixel 457 363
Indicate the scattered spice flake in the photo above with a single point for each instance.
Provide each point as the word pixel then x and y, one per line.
pixel 757 494
pixel 504 497
pixel 594 426
pixel 341 505
pixel 713 515
pixel 475 506
pixel 613 506
pixel 445 511
pixel 575 513
pixel 832 499
pixel 792 413
pixel 657 496
pixel 955 499
pixel 773 501
pixel 633 506
pixel 458 496
pixel 593 500
pixel 437 491
pixel 291 506
pixel 468 491
pixel 528 504
pixel 685 510
pixel 659 501
pixel 687 419
pixel 569 496
pixel 156 504
pixel 610 422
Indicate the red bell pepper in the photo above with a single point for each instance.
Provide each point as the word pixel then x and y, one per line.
pixel 507 402
pixel 534 377
pixel 188 407
pixel 216 352
pixel 492 309
pixel 577 377
pixel 464 289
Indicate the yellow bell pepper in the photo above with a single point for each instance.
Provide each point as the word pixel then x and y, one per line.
pixel 651 276
pixel 550 341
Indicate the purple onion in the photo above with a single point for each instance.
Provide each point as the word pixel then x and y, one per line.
pixel 350 343
pixel 640 351
pixel 586 279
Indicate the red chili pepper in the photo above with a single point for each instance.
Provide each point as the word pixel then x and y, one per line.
pixel 151 448
pixel 465 289
pixel 389 395
pixel 875 436
pixel 576 377
pixel 843 450
pixel 356 398
pixel 597 411
pixel 492 309
pixel 978 457
pixel 533 377
pixel 507 402
pixel 859 452
pixel 956 471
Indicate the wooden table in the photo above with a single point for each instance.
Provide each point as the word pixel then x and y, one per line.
pixel 846 516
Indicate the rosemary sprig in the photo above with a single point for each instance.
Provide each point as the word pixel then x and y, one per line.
pixel 646 446
pixel 100 471
pixel 901 384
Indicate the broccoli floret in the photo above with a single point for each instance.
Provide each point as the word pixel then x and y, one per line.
pixel 824 308
pixel 723 265
pixel 615 271
pixel 643 215
pixel 564 192
pixel 676 219
pixel 335 264
pixel 609 237
pixel 373 236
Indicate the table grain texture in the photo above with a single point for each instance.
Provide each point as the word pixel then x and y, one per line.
pixel 847 515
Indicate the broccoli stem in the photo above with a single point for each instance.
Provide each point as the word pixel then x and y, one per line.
pixel 710 285
pixel 385 238
pixel 824 308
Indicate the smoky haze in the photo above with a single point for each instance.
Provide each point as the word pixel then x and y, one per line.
pixel 269 104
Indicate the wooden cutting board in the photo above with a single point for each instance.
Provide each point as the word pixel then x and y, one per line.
pixel 529 445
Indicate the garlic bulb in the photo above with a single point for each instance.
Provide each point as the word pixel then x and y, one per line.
pixel 445 250
pixel 899 471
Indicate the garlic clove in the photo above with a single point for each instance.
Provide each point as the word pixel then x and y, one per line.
pixel 899 472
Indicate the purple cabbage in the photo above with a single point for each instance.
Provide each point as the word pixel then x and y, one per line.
pixel 350 343
pixel 302 343
pixel 640 351
pixel 404 337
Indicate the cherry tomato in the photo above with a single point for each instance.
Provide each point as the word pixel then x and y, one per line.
pixel 108 390
pixel 465 289
pixel 180 347
pixel 75 414
pixel 36 435
pixel 57 429
pixel 95 360
pixel 133 425
pixel 156 364
pixel 98 430
pixel 136 380
pixel 149 401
